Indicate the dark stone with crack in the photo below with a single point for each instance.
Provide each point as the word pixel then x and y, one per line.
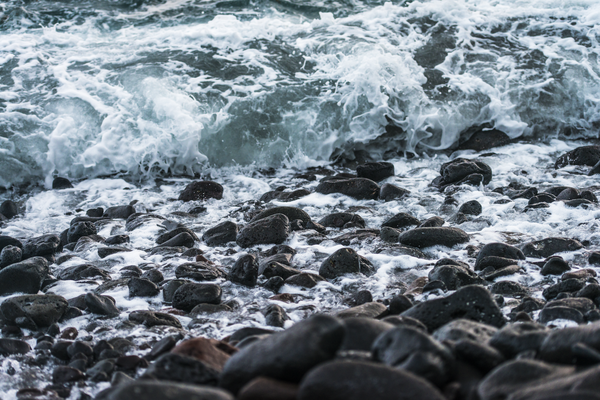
pixel 44 310
pixel 414 351
pixel 286 355
pixel 154 318
pixel 460 171
pixel 190 295
pixel 470 302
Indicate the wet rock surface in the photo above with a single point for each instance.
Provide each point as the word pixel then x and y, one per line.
pixel 320 285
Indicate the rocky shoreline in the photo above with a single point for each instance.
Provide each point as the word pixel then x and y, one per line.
pixel 471 277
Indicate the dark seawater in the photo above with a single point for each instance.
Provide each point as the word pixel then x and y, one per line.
pixel 93 88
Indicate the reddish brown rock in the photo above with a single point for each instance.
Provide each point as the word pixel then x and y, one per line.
pixel 211 352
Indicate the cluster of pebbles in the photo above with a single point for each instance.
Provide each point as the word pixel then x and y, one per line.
pixel 255 307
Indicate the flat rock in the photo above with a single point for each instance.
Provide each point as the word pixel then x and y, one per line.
pixel 286 355
pixel 439 236
pixel 13 346
pixel 154 318
pixel 81 272
pixel 304 279
pixel 25 276
pixel 202 190
pixel 549 246
pixel 358 380
pixel 273 229
pixel 119 212
pixel 470 302
pixel 199 271
pixel 459 329
pixel 292 213
pixel 139 287
pixel 358 188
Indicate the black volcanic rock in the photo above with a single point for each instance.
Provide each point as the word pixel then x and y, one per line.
pixel 25 276
pixel 549 246
pixel 9 209
pixel 202 190
pixel 286 355
pixel 345 261
pixel 360 380
pixel 470 302
pixel 221 234
pixel 426 237
pixel 584 155
pixel 273 229
pixel 358 188
pixel 375 171
pixel 245 270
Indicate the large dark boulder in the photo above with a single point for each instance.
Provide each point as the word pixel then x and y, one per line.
pixel 292 213
pixel 470 302
pixel 80 229
pixel 9 209
pixel 120 212
pixel 189 295
pixel 345 261
pixel 273 229
pixel 485 139
pixel 286 355
pixel 202 190
pixel 359 380
pixel 358 188
pixel 43 310
pixel 25 276
pixel 460 170
pixel 413 350
pixel 546 247
pixel 435 236
pixel 584 155
pixel 44 245
pixel 221 234
pixel 245 270
pixel 375 171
